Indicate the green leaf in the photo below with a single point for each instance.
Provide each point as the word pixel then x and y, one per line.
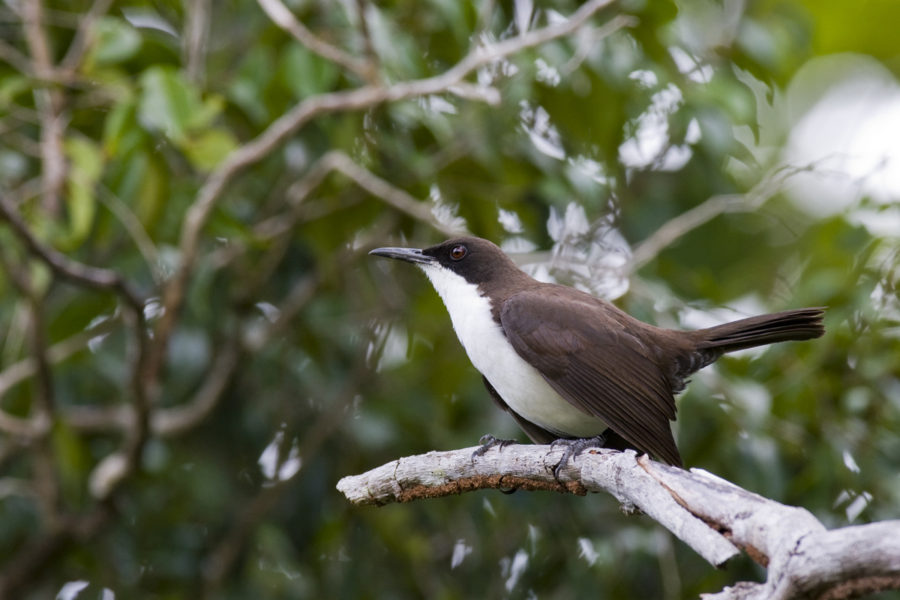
pixel 305 74
pixel 10 87
pixel 115 41
pixel 204 113
pixel 248 86
pixel 86 166
pixel 72 459
pixel 167 103
pixel 119 123
pixel 208 149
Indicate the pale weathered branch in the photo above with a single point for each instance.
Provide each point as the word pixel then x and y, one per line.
pixel 531 467
pixel 711 515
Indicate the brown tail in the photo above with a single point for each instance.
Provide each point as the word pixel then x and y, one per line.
pixel 800 324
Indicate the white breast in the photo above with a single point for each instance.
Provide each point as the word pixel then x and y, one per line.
pixel 520 385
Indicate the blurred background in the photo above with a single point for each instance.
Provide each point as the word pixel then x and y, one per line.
pixel 175 427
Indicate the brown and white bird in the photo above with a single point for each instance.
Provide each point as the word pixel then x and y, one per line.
pixel 567 365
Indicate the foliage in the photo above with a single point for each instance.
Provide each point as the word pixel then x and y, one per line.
pixel 166 142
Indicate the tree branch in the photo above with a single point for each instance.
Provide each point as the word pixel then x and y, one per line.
pixel 711 515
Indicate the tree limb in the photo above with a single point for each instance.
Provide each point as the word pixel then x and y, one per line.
pixel 711 515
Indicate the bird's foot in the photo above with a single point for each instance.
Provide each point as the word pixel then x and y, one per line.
pixel 488 441
pixel 573 447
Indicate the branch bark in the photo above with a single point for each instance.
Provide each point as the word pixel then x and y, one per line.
pixel 714 517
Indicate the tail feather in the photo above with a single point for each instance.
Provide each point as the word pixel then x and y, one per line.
pixel 799 324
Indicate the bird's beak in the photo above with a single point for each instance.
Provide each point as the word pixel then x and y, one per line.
pixel 413 255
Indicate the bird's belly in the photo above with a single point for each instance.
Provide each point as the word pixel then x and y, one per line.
pixel 521 386
pixel 529 395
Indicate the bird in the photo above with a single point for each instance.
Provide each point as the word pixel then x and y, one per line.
pixel 573 368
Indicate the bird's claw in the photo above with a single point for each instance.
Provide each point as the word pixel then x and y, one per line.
pixel 487 442
pixel 573 447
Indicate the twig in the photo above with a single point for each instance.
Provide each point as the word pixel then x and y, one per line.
pixel 46 482
pixel 689 220
pixel 141 380
pixel 286 20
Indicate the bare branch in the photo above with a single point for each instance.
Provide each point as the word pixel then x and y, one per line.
pixel 711 515
pixel 141 380
pixel 286 20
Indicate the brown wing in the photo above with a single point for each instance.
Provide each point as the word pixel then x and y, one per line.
pixel 595 363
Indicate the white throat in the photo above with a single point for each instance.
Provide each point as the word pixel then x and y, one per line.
pixel 520 385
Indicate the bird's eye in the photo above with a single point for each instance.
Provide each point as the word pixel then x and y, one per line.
pixel 458 252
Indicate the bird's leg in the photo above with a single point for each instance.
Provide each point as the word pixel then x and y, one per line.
pixel 488 441
pixel 573 447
